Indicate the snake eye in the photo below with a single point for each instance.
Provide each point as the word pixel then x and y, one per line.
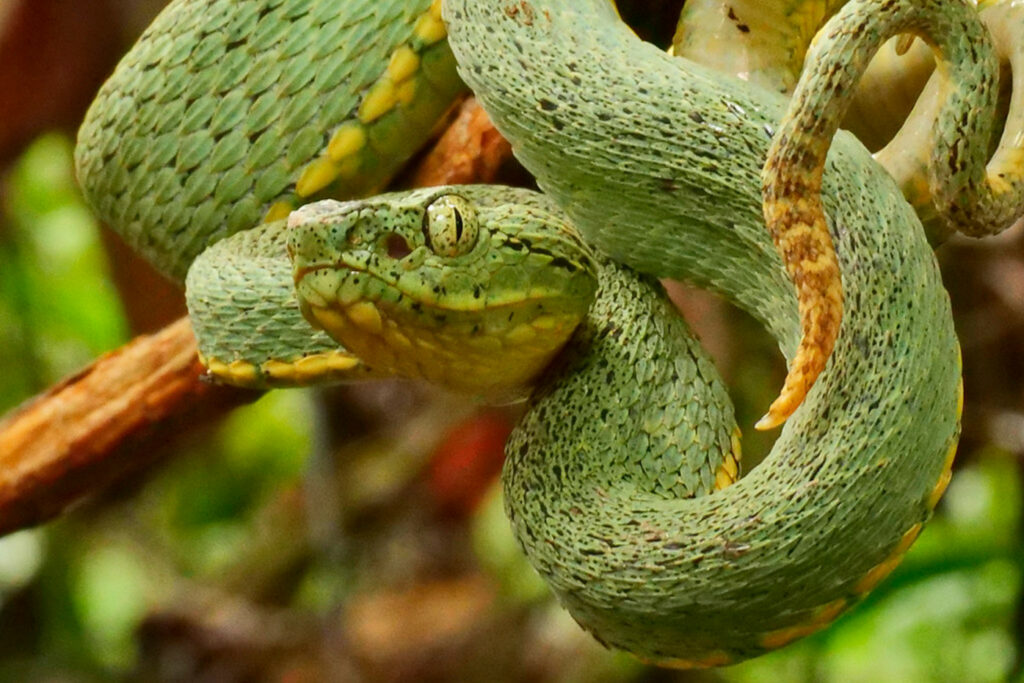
pixel 450 226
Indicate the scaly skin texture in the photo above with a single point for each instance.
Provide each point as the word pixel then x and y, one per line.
pixel 971 198
pixel 945 179
pixel 906 156
pixel 606 474
pixel 247 321
pixel 672 191
pixel 968 197
pixel 229 112
pixel 396 278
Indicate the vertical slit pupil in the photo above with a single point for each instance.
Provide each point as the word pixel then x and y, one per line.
pixel 458 224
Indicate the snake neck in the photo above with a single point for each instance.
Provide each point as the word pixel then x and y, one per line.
pixel 612 398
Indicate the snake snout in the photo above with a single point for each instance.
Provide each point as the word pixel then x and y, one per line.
pixel 320 234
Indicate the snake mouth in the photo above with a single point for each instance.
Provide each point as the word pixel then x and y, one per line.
pixel 491 350
pixel 493 355
pixel 390 294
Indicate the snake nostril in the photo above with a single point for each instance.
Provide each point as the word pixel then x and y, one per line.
pixel 397 246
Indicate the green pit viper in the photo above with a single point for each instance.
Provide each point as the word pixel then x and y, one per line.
pixel 622 479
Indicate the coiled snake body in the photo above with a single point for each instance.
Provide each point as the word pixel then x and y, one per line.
pixel 657 161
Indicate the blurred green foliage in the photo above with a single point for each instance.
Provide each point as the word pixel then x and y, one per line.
pixel 72 594
pixel 58 309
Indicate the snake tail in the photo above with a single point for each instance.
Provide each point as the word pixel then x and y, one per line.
pixel 791 179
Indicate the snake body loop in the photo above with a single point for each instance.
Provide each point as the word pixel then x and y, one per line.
pixel 673 191
pixel 623 493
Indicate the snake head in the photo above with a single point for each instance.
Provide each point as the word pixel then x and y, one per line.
pixel 472 288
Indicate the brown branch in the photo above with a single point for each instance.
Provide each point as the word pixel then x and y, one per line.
pixel 470 151
pixel 126 409
pixel 109 420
